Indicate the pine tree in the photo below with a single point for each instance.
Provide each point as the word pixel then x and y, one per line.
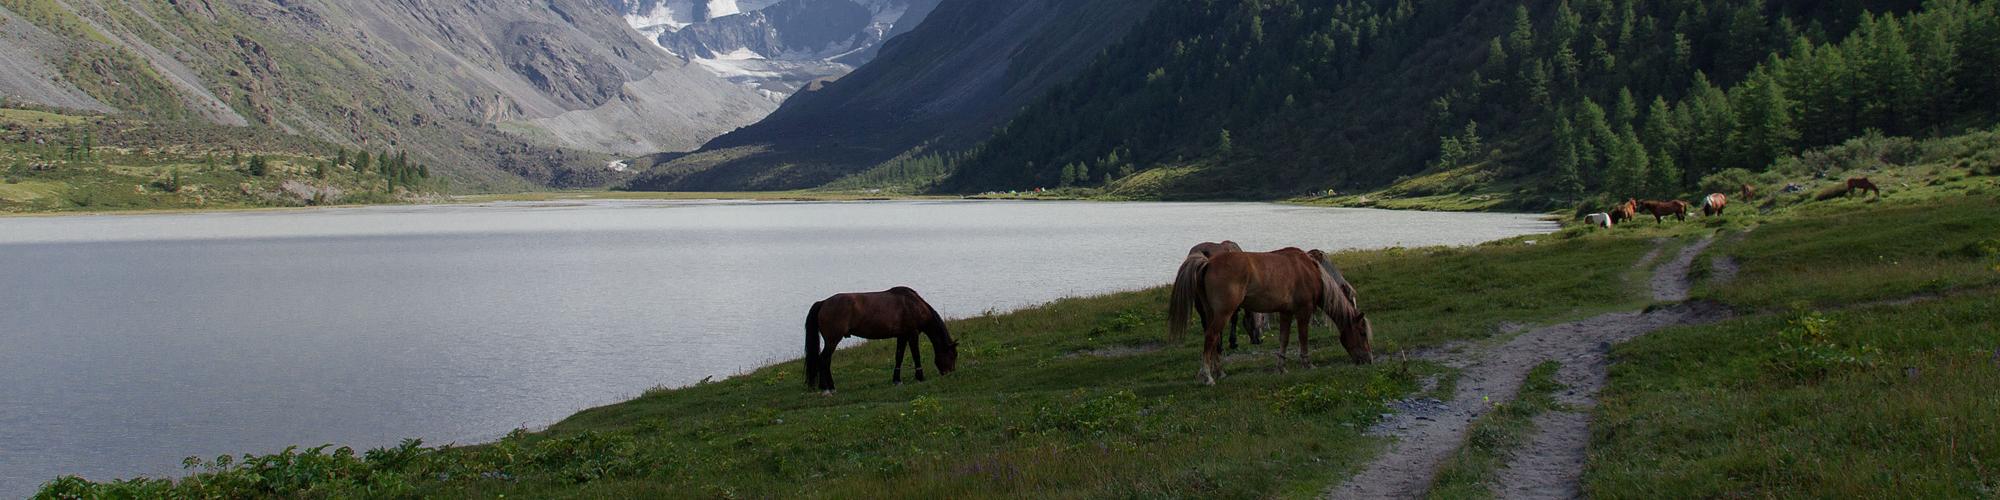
pixel 1599 141
pixel 1521 41
pixel 1628 166
pixel 1568 25
pixel 1471 141
pixel 1567 183
pixel 1537 84
pixel 1664 177
pixel 1714 123
pixel 1887 66
pixel 1496 58
pixel 1661 136
pixel 1626 113
pixel 1569 71
pixel 1765 122
pixel 1601 58
pixel 259 166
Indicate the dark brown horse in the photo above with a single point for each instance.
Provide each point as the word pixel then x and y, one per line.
pixel 1239 320
pixel 1713 205
pixel 1661 209
pixel 897 313
pixel 1862 184
pixel 1624 211
pixel 1289 282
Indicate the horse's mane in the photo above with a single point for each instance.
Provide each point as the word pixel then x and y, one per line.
pixel 1212 248
pixel 1335 277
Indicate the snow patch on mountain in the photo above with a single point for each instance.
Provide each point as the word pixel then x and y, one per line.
pixel 661 16
pixel 774 46
pixel 719 8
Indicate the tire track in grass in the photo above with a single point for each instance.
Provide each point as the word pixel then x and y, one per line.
pixel 1427 434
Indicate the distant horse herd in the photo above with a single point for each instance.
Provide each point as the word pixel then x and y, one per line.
pixel 1711 205
pixel 1224 285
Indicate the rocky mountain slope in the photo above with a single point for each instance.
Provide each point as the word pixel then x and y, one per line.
pixel 498 94
pixel 775 46
pixel 948 80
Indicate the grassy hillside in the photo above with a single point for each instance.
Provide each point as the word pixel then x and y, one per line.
pixel 1084 398
pixel 1851 390
pixel 498 96
pixel 54 162
pixel 1536 104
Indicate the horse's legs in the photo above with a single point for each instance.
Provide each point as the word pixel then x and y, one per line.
pixel 1234 324
pixel 1284 339
pixel 1211 345
pixel 826 365
pixel 1305 344
pixel 1256 322
pixel 916 360
pixel 902 342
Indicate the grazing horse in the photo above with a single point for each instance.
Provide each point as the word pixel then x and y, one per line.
pixel 1239 320
pixel 1599 219
pixel 1625 211
pixel 1862 184
pixel 1713 204
pixel 897 313
pixel 1749 192
pixel 1290 282
pixel 1661 209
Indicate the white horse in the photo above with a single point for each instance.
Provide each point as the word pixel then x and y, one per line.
pixel 1599 219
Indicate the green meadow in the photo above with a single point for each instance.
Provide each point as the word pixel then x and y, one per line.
pixel 1859 364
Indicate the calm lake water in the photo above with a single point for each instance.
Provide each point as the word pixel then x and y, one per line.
pixel 130 342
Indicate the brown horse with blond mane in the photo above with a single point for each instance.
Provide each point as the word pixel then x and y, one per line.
pixel 1238 320
pixel 897 313
pixel 1290 282
pixel 1624 211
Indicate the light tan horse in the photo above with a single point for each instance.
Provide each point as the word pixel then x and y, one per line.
pixel 1290 282
pixel 1238 320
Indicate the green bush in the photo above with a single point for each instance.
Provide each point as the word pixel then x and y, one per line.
pixel 1117 412
pixel 1806 350
pixel 1867 151
pixel 1361 403
pixel 1727 181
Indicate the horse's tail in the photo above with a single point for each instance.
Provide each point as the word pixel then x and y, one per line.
pixel 812 346
pixel 1186 292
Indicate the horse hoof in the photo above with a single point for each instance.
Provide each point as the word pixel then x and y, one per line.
pixel 828 392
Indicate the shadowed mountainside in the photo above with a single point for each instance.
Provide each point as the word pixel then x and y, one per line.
pixel 965 69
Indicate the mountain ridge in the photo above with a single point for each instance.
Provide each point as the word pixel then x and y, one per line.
pixel 946 81
pixel 500 95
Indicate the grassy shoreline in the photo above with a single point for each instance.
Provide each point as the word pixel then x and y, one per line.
pixel 1085 398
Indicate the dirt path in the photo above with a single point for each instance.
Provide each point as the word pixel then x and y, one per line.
pixel 1428 432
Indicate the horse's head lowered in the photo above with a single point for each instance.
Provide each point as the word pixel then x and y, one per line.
pixel 943 348
pixel 1341 306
